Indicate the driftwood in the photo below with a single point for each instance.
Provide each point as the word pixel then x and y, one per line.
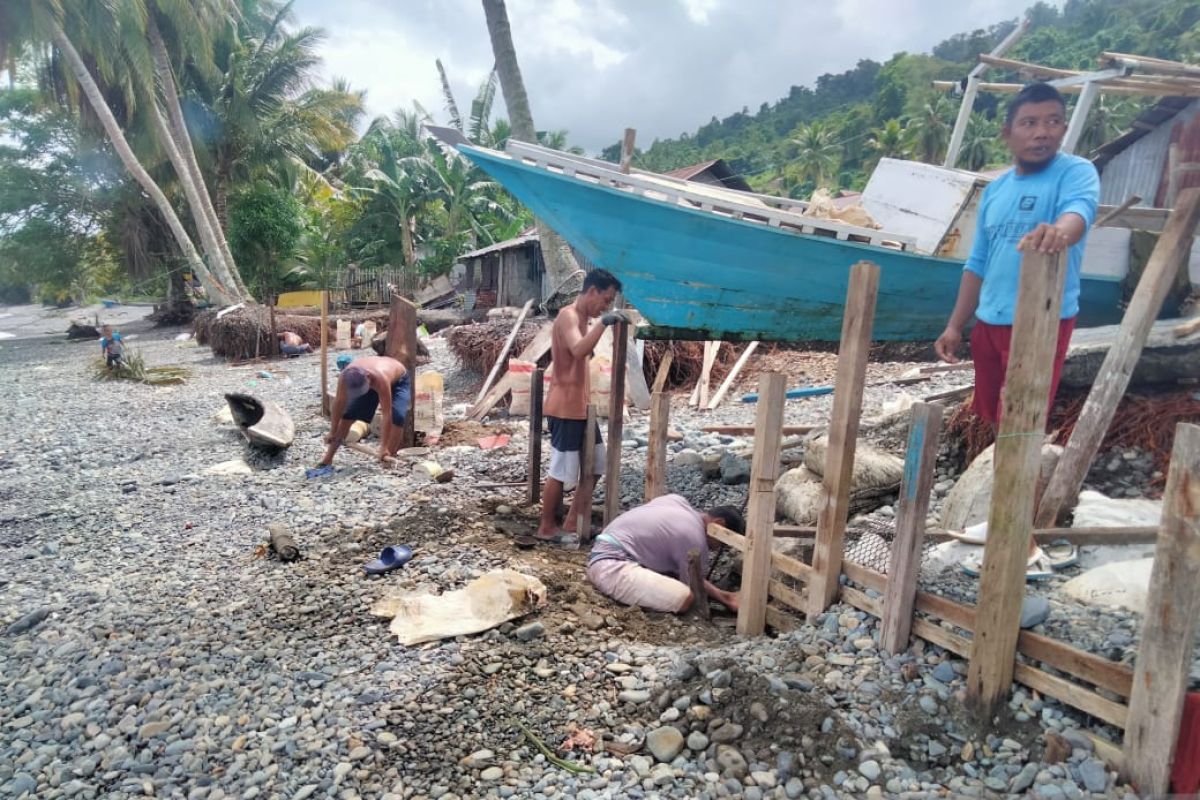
pixel 282 543
pixel 79 330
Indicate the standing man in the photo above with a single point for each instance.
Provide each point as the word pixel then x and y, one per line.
pixel 365 384
pixel 571 346
pixel 1045 203
pixel 641 558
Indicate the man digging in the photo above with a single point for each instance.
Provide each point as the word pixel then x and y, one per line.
pixel 571 346
pixel 365 384
pixel 1045 203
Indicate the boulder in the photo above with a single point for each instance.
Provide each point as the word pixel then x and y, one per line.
pixel 971 498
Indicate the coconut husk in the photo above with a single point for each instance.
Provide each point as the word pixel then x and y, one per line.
pixel 234 335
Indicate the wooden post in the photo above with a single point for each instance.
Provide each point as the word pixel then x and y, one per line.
pixel 508 343
pixel 1168 627
pixel 695 582
pixel 727 384
pixel 274 347
pixel 587 476
pixel 760 506
pixel 857 323
pixel 325 352
pixel 536 387
pixel 1018 455
pixel 920 461
pixel 699 396
pixel 616 423
pixel 1079 116
pixel 656 450
pixel 402 346
pixel 664 369
pixel 1173 248
pixel 627 149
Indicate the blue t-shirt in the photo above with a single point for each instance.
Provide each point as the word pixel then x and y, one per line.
pixel 1013 205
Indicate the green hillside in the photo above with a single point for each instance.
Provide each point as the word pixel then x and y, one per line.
pixel 834 133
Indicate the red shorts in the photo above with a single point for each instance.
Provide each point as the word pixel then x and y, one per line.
pixel 989 351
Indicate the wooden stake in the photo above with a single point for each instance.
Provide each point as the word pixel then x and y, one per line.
pixel 700 393
pixel 760 505
pixel 1018 454
pixel 857 323
pixel 920 461
pixel 587 476
pixel 402 346
pixel 656 450
pixel 695 582
pixel 627 149
pixel 616 424
pixel 536 386
pixel 1173 248
pixel 1169 625
pixel 727 384
pixel 664 369
pixel 325 352
pixel 500 359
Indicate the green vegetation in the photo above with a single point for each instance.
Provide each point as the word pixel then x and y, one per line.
pixel 133 368
pixel 141 140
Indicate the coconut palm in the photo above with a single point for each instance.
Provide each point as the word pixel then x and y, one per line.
pixel 980 142
pixel 817 155
pixel 928 133
pixel 886 141
pixel 560 263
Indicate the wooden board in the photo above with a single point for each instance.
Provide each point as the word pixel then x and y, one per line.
pixel 843 434
pixel 587 476
pixel 616 424
pixel 727 384
pixel 402 346
pixel 699 396
pixel 656 449
pixel 664 369
pixel 534 468
pixel 1018 454
pixel 325 402
pixel 500 359
pixel 1168 626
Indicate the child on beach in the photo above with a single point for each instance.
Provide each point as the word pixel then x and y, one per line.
pixel 111 346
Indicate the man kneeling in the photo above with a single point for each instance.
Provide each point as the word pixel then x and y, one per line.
pixel 641 557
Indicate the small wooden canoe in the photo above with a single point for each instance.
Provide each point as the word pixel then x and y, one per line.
pixel 262 422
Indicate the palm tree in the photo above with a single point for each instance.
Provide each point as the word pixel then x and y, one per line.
pixel 557 140
pixel 928 133
pixel 560 263
pixel 886 141
pixel 817 156
pixel 1107 118
pixel 979 142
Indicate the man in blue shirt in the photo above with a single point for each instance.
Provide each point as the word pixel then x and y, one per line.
pixel 1045 203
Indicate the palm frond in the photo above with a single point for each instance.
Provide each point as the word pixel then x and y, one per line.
pixel 448 95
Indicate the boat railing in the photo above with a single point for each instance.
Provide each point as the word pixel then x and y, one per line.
pixel 747 207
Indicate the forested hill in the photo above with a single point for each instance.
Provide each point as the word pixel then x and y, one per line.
pixel 833 134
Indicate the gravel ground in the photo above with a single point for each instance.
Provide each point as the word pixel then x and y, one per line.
pixel 150 649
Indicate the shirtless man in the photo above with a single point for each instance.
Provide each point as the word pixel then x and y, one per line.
pixel 566 406
pixel 368 383
pixel 290 344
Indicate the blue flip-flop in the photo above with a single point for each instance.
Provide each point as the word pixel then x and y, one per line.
pixel 318 472
pixel 390 558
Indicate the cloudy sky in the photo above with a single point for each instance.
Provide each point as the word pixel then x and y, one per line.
pixel 595 67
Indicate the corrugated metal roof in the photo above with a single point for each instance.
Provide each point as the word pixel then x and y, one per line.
pixel 721 172
pixel 1145 123
pixel 1140 166
pixel 507 244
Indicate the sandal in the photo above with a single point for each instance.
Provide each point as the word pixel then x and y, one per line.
pixel 1039 566
pixel 1061 554
pixel 560 538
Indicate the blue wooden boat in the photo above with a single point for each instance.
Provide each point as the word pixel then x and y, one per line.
pixel 704 263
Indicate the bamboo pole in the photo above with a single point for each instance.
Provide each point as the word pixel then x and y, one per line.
pixel 760 521
pixel 857 323
pixel 1168 627
pixel 1018 452
pixel 1172 250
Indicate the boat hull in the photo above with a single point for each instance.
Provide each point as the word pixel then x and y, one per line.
pixel 696 274
pixel 263 422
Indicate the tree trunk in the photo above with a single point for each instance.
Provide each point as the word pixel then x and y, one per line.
pixel 221 191
pixel 183 142
pixel 410 255
pixel 560 261
pixel 216 287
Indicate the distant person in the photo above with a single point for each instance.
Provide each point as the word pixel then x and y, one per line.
pixel 571 346
pixel 1045 203
pixel 641 557
pixel 112 347
pixel 368 383
pixel 290 344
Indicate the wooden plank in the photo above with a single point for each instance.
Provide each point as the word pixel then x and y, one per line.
pixel 699 396
pixel 1135 534
pixel 1112 213
pixel 616 424
pixel 857 323
pixel 920 462
pixel 627 149
pixel 636 387
pixel 949 394
pixel 587 476
pixel 532 352
pixel 500 359
pixel 1169 624
pixel 742 430
pixel 1186 328
pixel 1018 454
pixel 664 369
pixel 1173 248
pixel 732 376
pixel 536 388
pixel 781 620
pixel 656 448
pixel 760 516
pixel 325 352
pixel 786 564
pixel 786 595
pixel 402 346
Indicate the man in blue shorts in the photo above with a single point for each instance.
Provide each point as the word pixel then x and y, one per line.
pixel 369 383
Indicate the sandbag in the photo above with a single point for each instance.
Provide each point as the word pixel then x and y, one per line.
pixel 873 469
pixel 1120 584
pixel 970 500
pixel 798 491
pixel 1097 511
